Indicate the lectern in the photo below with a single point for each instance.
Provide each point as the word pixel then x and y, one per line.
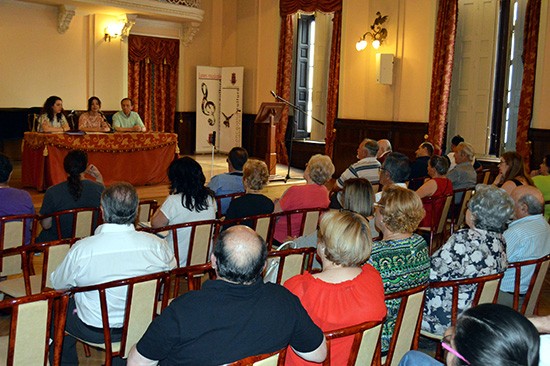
pixel 270 113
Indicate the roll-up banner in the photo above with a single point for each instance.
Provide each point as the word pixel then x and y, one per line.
pixel 231 108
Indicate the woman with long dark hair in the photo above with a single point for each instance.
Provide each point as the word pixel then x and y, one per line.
pixel 512 172
pixel 52 118
pixel 189 200
pixel 75 192
pixel 93 120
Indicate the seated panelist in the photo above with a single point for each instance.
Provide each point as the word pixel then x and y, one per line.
pixel 93 120
pixel 51 118
pixel 126 120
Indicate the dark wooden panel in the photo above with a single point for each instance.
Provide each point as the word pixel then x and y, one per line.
pixel 248 131
pixel 540 145
pixel 185 125
pixel 404 136
pixel 302 150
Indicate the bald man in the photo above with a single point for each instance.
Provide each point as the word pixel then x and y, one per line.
pixel 384 148
pixel 527 237
pixel 233 317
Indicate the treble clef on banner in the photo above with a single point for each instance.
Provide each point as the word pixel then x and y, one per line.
pixel 208 107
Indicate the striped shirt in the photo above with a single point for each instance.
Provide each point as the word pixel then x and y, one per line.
pixel 365 168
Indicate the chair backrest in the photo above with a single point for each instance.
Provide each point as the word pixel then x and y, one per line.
pixel 439 211
pixel 407 324
pixel 29 330
pixel 225 198
pixel 141 303
pixel 191 275
pixel 146 209
pixel 262 224
pixel 84 221
pixel 276 358
pixel 13 232
pixel 305 220
pixel 201 238
pixel 486 290
pixel 539 267
pixel 483 176
pixel 285 264
pixel 460 202
pixel 365 349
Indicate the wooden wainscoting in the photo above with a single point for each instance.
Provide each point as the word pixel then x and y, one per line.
pixel 185 125
pixel 404 136
pixel 540 145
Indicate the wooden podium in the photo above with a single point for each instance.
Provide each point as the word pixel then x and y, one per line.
pixel 270 113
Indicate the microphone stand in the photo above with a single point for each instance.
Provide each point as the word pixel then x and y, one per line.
pixel 296 108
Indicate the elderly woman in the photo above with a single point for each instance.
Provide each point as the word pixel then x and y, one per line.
pixel 511 172
pixel 311 195
pixel 437 186
pixel 189 200
pixel 93 120
pixel 474 252
pixel 401 256
pixel 346 292
pixel 255 177
pixel 52 118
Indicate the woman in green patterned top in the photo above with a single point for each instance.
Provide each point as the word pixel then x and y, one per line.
pixel 401 256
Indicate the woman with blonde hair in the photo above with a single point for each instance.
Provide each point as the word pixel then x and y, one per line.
pixel 255 178
pixel 511 172
pixel 347 291
pixel 313 194
pixel 401 256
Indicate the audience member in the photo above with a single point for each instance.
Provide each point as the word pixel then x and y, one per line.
pixel 394 171
pixel 511 172
pixel 189 200
pixel 115 251
pixel 313 194
pixel 541 178
pixel 346 292
pixel 75 192
pixel 255 177
pixel 401 256
pixel 542 323
pixel 474 252
pixel 126 120
pixel 463 174
pixel 454 144
pixel 52 118
pixel 366 167
pixel 384 148
pixel 419 167
pixel 14 201
pixel 237 314
pixel 527 237
pixel 93 120
pixel 436 187
pixel 232 181
pixel 488 334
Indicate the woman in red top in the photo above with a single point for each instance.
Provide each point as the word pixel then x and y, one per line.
pixel 345 293
pixel 438 186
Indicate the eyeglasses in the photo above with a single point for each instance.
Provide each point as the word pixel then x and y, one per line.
pixel 446 344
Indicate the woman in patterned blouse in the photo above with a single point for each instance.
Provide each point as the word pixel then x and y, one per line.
pixel 52 118
pixel 401 256
pixel 93 120
pixel 469 253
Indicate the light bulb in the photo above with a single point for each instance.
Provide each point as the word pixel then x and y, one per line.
pixel 375 44
pixel 361 45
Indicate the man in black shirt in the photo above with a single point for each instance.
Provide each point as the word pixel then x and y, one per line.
pixel 233 317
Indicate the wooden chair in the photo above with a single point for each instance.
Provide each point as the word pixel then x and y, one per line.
pixel 417 182
pixel 365 349
pixel 262 224
pixel 225 198
pixel 141 303
pixel 486 292
pixel 285 264
pixel 27 342
pixel 276 358
pixel 146 209
pixel 483 176
pixel 13 233
pixel 53 254
pixel 83 221
pixel 191 276
pixel 307 222
pixel 438 205
pixel 531 297
pixel 407 324
pixel 201 238
pixel 460 205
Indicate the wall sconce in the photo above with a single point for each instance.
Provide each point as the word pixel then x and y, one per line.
pixel 378 34
pixel 113 31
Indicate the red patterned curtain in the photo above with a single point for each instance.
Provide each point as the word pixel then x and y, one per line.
pixel 284 69
pixel 442 70
pixel 153 80
pixel 525 112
